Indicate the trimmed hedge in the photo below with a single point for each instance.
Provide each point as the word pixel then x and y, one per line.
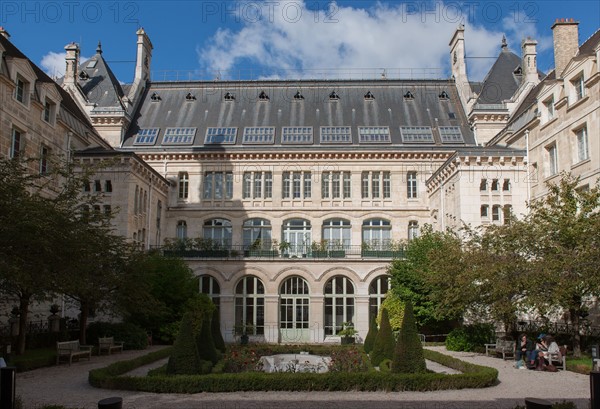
pixel 473 376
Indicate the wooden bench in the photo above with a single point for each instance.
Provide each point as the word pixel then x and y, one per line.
pixel 559 360
pixel 109 345
pixel 71 349
pixel 504 347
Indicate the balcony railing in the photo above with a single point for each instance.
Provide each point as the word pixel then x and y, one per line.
pixel 291 252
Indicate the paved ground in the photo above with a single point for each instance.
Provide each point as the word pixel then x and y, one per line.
pixel 68 386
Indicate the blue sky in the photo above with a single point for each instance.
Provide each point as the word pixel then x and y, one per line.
pixel 287 38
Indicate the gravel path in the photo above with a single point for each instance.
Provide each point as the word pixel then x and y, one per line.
pixel 68 386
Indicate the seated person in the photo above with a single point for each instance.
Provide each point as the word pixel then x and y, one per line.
pixel 523 348
pixel 552 348
pixel 536 358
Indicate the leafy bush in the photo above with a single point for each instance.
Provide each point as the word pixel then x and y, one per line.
pixel 132 336
pixel 469 338
pixel 408 354
pixel 473 376
pixel 217 336
pixel 242 359
pixel 383 347
pixel 348 360
pixel 385 365
pixel 371 335
pixel 206 346
pixel 185 359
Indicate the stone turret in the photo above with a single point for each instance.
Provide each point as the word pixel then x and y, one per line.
pixel 72 62
pixel 529 61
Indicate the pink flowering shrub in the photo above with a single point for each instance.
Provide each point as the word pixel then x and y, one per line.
pixel 349 359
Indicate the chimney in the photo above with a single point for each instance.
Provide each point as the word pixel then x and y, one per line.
pixel 4 33
pixel 72 60
pixel 529 61
pixel 566 43
pixel 144 55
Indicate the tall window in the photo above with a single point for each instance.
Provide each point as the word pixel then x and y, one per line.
pixel 378 289
pixel 507 210
pixel 257 185
pixel 335 185
pixel 376 234
pixel 294 308
pixel 49 111
pixel 495 185
pixel 375 185
pixel 549 104
pixel 44 154
pixel 15 149
pixel 108 186
pixel 298 233
pixel 337 233
pixel 250 305
pixel 339 304
pixel 210 286
pixel 552 160
pixel 181 229
pixel 483 185
pixel 257 234
pixel 411 185
pixel 484 211
pixel 218 230
pixel 582 144
pixel 578 88
pixel 21 90
pixel 218 185
pixel 184 185
pixel 413 229
pixel 496 213
pixel 296 185
pixel 506 185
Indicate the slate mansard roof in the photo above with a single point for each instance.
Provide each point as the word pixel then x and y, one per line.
pixel 253 115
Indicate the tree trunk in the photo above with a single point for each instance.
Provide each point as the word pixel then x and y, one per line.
pixel 575 320
pixel 84 305
pixel 23 317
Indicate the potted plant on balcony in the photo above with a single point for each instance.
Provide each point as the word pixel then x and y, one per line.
pixel 347 333
pixel 319 249
pixel 284 248
pixel 337 250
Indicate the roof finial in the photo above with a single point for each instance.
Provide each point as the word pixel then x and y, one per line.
pixel 99 48
pixel 504 43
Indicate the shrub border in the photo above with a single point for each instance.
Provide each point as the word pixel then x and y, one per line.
pixel 472 376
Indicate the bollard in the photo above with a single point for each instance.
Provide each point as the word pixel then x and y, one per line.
pixel 111 403
pixel 7 387
pixel 595 389
pixel 535 403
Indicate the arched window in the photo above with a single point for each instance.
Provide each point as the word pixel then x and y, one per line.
pixel 218 230
pixel 210 287
pixel 378 289
pixel 339 304
pixel 376 234
pixel 257 234
pixel 413 229
pixel 181 229
pixel 337 233
pixel 250 306
pixel 297 233
pixel 293 310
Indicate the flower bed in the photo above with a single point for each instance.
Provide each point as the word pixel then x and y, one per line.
pixel 472 376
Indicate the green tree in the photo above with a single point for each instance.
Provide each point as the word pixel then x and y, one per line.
pixel 408 353
pixel 216 331
pixel 414 278
pixel 371 335
pixel 383 347
pixel 394 308
pixel 566 251
pixel 184 359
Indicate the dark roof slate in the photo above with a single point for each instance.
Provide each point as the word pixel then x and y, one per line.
pixel 501 82
pixel 101 86
pixel 165 105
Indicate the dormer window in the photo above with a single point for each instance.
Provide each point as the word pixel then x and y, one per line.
pixel 409 95
pixel 263 96
pixel 334 96
pixel 298 96
pixel 49 111
pixel 22 90
pixel 369 96
pixel 84 76
pixel 229 97
pixel 518 71
pixel 578 85
pixel 190 97
pixel 155 97
pixel 444 95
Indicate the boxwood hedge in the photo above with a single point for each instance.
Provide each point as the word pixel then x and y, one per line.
pixel 472 376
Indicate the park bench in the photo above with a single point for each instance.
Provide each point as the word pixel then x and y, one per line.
pixel 71 349
pixel 504 347
pixel 109 345
pixel 559 360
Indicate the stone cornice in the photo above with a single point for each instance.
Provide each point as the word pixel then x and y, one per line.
pixel 236 156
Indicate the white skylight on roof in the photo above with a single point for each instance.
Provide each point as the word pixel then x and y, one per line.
pixel 146 136
pixel 297 134
pixel 92 64
pixel 420 134
pixel 451 134
pixel 259 135
pixel 179 136
pixel 220 136
pixel 336 134
pixel 374 134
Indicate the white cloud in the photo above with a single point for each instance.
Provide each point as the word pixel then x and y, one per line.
pixel 292 40
pixel 54 64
